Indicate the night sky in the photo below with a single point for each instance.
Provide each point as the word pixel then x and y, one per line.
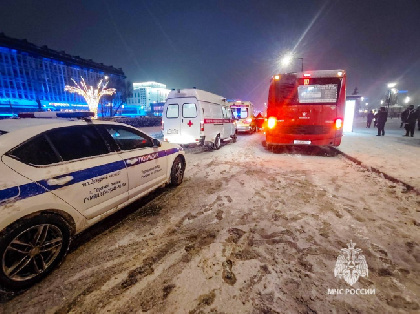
pixel 231 47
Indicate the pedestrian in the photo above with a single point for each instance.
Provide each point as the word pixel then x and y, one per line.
pixel 410 122
pixel 418 117
pixel 404 115
pixel 381 118
pixel 370 116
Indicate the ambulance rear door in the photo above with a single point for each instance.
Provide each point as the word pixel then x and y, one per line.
pixel 190 119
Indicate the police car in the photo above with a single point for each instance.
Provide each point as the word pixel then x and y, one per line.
pixel 59 176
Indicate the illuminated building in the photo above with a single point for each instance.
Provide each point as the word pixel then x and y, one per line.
pixel 32 78
pixel 144 96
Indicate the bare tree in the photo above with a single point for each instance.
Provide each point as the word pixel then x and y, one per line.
pixel 112 104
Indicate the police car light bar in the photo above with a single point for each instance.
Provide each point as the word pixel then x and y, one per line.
pixel 56 114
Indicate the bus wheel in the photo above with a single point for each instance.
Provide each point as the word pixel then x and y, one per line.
pixel 217 143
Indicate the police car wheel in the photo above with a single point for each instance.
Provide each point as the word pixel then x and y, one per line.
pixel 217 142
pixel 30 249
pixel 177 171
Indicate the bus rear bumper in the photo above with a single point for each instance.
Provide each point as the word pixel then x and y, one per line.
pixel 299 140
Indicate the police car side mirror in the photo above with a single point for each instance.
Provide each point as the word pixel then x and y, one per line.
pixel 156 143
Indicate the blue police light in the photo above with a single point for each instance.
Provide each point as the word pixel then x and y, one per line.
pixel 56 114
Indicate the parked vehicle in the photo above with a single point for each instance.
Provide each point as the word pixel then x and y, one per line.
pixel 60 176
pixel 306 108
pixel 193 116
pixel 243 112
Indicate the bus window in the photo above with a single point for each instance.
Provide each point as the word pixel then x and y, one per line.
pixel 286 90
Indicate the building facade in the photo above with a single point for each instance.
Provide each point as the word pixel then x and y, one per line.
pixel 145 95
pixel 32 78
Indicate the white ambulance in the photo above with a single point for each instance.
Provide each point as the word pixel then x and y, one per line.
pixel 243 112
pixel 193 116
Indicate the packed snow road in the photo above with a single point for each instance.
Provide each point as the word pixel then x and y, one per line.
pixel 248 231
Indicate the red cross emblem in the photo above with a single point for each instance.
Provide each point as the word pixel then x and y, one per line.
pixel 190 123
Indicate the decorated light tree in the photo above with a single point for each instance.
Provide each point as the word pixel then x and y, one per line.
pixel 91 95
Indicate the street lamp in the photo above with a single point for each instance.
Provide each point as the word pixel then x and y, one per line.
pixel 287 59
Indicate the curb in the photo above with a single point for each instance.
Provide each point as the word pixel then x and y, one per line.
pixel 409 187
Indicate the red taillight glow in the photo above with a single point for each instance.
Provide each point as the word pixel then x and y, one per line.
pixel 202 126
pixel 271 122
pixel 338 123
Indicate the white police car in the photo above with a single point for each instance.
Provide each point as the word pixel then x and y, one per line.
pixel 59 176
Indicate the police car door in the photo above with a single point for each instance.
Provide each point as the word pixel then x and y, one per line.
pixel 75 164
pixel 146 165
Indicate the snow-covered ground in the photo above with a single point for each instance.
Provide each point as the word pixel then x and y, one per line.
pixel 393 154
pixel 249 231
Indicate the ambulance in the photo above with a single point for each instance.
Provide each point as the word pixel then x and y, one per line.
pixel 193 116
pixel 243 113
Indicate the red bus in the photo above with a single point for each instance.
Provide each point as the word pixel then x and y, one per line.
pixel 306 108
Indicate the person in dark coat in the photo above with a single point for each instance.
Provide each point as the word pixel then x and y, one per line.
pixel 418 117
pixel 410 122
pixel 370 117
pixel 404 115
pixel 381 118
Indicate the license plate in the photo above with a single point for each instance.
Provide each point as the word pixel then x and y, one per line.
pixel 174 131
pixel 302 142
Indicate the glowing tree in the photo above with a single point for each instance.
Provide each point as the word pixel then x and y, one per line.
pixel 91 95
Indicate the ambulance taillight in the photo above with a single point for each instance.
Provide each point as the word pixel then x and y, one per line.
pixel 202 126
pixel 163 125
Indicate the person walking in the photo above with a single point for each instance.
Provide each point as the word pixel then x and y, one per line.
pixel 418 117
pixel 410 122
pixel 404 115
pixel 381 118
pixel 370 116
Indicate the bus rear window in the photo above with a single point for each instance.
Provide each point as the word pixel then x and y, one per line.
pixel 317 93
pixel 172 111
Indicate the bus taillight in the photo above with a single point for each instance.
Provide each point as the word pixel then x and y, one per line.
pixel 338 123
pixel 271 122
